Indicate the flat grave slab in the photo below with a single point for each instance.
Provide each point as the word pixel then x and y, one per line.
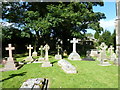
pixel 66 66
pixel 37 83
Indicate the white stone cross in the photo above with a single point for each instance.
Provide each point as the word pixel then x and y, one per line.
pixel 74 41
pixel 29 50
pixel 46 48
pixel 110 49
pixel 10 48
pixel 58 49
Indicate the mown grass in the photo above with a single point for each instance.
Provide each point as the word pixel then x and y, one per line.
pixel 90 75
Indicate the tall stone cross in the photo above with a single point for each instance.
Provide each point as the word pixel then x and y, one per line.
pixel 58 49
pixel 46 48
pixel 41 50
pixel 10 48
pixel 30 48
pixel 74 41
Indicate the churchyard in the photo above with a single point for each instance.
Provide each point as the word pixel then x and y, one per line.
pixel 47 45
pixel 91 72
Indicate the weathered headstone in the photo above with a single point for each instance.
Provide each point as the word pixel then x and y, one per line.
pixel 34 54
pixel 29 58
pixel 46 63
pixel 33 84
pixel 10 65
pixel 94 53
pixel 58 56
pixel 74 55
pixel 65 53
pixel 113 57
pixel 111 50
pixel 41 53
pixel 66 66
pixel 103 58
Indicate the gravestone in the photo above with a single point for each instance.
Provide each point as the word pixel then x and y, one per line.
pixel 10 65
pixel 113 57
pixel 41 53
pixel 33 84
pixel 29 58
pixel 46 48
pixel 94 53
pixel 74 55
pixel 46 63
pixel 66 66
pixel 58 56
pixel 34 54
pixel 103 58
pixel 111 50
pixel 111 53
pixel 88 58
pixel 65 53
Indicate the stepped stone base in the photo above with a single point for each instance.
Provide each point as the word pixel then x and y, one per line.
pixel 29 58
pixel 105 64
pixel 74 56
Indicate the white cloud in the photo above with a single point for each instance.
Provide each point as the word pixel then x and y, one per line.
pixel 109 24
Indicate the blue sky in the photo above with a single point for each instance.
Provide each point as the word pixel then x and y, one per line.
pixel 109 9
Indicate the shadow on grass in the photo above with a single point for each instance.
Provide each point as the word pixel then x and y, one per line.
pixel 54 62
pixel 13 75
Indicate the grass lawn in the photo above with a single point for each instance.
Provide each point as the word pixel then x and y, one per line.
pixel 90 75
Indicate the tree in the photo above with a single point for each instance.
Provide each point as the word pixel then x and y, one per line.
pixel 54 20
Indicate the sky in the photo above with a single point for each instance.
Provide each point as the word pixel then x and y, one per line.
pixel 109 9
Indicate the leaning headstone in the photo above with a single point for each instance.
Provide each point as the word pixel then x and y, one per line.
pixel 41 53
pixel 10 65
pixel 88 58
pixel 29 58
pixel 74 55
pixel 46 63
pixel 58 56
pixel 33 84
pixel 66 66
pixel 103 58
